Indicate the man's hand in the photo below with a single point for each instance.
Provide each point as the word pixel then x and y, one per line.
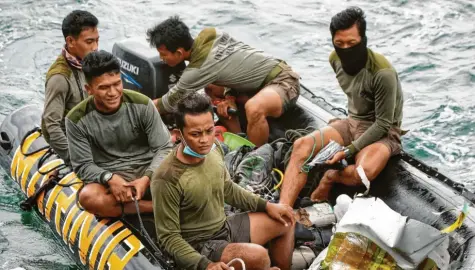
pixel 223 107
pixel 337 157
pixel 140 185
pixel 118 189
pixel 217 266
pixel 278 211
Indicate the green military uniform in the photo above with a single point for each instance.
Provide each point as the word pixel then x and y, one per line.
pixel 375 102
pixel 130 142
pixel 218 58
pixel 62 93
pixel 189 205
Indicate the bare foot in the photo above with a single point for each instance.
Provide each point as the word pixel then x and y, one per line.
pixel 322 192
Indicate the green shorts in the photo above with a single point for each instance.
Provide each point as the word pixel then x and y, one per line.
pixel 236 229
pixel 287 84
pixel 351 129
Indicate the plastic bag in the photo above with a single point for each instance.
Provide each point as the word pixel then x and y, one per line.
pixel 327 152
pixel 370 235
pixel 354 251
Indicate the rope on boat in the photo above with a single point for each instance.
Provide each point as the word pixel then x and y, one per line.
pixel 35 129
pixel 144 233
pixel 279 172
pixel 53 179
pixel 290 137
pixel 313 96
pixel 305 167
pixel 434 173
pixel 44 157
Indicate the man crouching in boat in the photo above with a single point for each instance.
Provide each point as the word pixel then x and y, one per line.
pixel 372 131
pixel 216 57
pixel 116 141
pixel 189 190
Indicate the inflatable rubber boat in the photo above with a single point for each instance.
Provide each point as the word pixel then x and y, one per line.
pixel 407 185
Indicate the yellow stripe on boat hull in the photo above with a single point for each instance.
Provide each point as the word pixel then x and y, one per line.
pixel 97 242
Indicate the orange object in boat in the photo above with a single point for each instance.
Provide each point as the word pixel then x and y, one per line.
pixel 218 132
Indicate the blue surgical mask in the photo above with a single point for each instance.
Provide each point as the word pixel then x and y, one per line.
pixel 188 151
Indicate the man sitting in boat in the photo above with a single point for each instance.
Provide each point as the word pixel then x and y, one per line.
pixel 116 141
pixel 371 133
pixel 216 57
pixel 189 190
pixel 65 78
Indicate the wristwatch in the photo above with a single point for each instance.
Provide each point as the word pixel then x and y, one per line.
pixel 106 177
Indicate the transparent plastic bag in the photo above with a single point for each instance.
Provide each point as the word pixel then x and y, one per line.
pixel 326 153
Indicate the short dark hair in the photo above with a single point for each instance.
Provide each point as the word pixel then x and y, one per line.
pixel 76 21
pixel 346 18
pixel 99 62
pixel 193 104
pixel 173 33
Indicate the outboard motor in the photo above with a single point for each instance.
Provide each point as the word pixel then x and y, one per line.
pixel 142 69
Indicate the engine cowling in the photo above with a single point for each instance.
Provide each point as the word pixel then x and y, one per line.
pixel 142 69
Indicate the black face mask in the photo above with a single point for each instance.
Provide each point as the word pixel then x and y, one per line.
pixel 353 59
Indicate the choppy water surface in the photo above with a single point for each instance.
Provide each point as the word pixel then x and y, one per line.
pixel 430 43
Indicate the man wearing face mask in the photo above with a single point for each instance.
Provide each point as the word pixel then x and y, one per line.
pixel 371 133
pixel 189 190
pixel 65 79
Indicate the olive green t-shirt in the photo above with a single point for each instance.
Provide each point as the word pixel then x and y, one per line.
pixel 188 204
pixel 121 142
pixel 218 58
pixel 62 94
pixel 374 94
